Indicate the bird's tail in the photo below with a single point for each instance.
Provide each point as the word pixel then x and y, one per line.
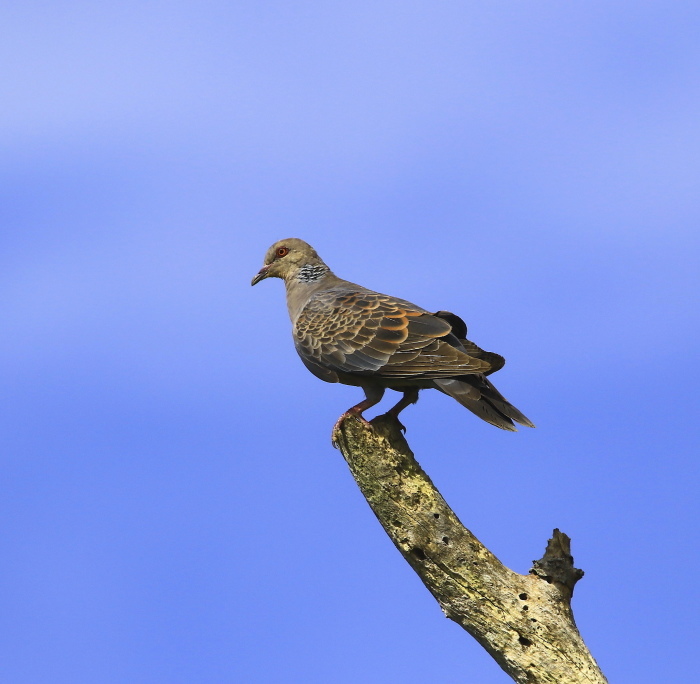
pixel 478 394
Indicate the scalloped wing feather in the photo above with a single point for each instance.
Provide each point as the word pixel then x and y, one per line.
pixel 367 333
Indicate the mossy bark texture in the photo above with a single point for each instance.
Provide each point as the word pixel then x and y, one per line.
pixel 524 621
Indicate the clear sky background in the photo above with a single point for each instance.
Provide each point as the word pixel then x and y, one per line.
pixel 171 508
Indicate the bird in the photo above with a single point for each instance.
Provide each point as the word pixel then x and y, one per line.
pixel 349 334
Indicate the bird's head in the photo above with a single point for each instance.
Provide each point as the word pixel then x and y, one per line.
pixel 291 258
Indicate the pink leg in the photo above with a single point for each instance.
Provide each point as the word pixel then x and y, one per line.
pixel 373 395
pixel 410 396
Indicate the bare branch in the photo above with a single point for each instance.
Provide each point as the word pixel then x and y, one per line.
pixel 524 621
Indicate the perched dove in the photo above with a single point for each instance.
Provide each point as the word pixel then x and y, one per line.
pixel 346 333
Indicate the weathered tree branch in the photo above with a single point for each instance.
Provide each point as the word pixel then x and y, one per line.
pixel 524 621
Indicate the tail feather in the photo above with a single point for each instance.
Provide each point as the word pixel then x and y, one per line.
pixel 479 395
pixel 491 394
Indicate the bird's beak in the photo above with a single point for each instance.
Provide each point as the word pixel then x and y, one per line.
pixel 260 275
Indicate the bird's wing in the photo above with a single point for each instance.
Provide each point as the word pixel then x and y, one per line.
pixel 496 361
pixel 361 332
pixel 459 330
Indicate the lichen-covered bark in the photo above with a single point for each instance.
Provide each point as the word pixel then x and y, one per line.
pixel 524 621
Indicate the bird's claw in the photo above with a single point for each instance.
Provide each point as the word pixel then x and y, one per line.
pixel 399 424
pixel 336 431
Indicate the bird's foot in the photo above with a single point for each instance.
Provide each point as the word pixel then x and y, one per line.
pixel 335 433
pixel 395 418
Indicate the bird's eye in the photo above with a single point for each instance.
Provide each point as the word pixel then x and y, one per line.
pixel 282 251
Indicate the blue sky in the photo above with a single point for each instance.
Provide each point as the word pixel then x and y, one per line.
pixel 172 509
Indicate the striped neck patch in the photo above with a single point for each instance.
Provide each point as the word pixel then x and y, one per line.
pixel 310 273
